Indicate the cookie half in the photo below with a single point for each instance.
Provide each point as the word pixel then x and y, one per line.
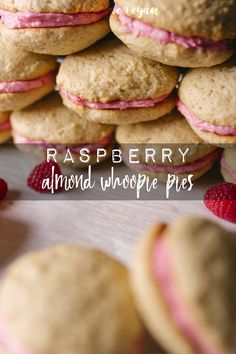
pixel 54 27
pixel 109 84
pixel 182 33
pixel 65 295
pixel 182 282
pixel 49 124
pixel 172 133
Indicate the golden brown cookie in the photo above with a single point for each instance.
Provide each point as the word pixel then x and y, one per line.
pixel 49 124
pixel 57 300
pixel 54 27
pixel 109 84
pixel 171 133
pixel 179 33
pixel 185 270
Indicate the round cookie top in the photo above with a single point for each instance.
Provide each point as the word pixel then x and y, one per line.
pixel 109 71
pixel 66 296
pixel 18 65
pixel 209 93
pixel 201 248
pixel 50 121
pixel 60 6
pixel 200 18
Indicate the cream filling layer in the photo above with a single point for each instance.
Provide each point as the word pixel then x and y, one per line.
pixel 191 167
pixel 115 104
pixel 21 20
pixel 163 267
pixel 202 125
pixel 24 86
pixel 140 29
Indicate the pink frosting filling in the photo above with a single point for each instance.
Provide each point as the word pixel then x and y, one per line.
pixel 113 105
pixel 23 86
pixel 204 126
pixel 162 269
pixel 5 126
pixel 9 344
pixel 139 28
pixel 191 167
pixel 228 168
pixel 18 20
pixel 42 145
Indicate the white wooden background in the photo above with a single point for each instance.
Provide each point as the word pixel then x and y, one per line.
pixel 114 226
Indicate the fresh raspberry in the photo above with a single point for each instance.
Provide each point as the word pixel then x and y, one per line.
pixel 221 201
pixel 42 172
pixel 3 188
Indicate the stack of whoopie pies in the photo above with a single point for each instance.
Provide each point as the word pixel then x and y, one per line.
pixel 133 84
pixel 71 300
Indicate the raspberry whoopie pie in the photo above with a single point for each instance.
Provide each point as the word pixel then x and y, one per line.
pixel 182 278
pixel 54 27
pixel 109 84
pixel 177 32
pixel 207 100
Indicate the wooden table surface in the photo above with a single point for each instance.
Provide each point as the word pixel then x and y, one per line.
pixel 114 226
